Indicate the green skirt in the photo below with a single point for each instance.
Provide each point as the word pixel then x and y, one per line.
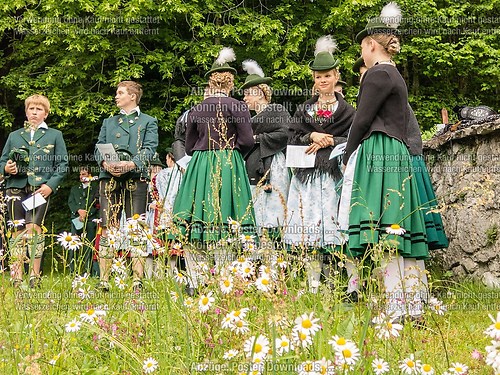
pixel 436 237
pixel 383 194
pixel 214 190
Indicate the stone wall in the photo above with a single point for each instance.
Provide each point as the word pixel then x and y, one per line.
pixel 465 169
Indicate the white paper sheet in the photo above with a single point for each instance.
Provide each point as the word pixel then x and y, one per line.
pixel 296 157
pixel 34 201
pixel 108 153
pixel 184 161
pixel 77 223
pixel 338 150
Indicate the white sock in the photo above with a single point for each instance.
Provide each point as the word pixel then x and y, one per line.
pixel 393 281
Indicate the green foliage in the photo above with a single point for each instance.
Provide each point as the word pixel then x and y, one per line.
pixel 491 235
pixel 76 53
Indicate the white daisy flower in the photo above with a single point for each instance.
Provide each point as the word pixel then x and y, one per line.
pixel 267 270
pixel 458 369
pixel 256 347
pixel 263 283
pixel 437 306
pixel 91 315
pixel 426 369
pixel 98 220
pixel 325 366
pixel 79 281
pixel 410 365
pixel 279 321
pixel 494 330
pixel 205 302
pixel 380 366
pixel 174 295
pixel 250 247
pixel 339 342
pixel 307 323
pixel 239 326
pixel 188 302
pixel 241 313
pixel 230 354
pixel 234 226
pixel 395 229
pixel 246 238
pixel 348 355
pixel 69 241
pixel 179 277
pixel 301 338
pixel 16 223
pixel 227 322
pixel 119 266
pixel 54 359
pixel 385 327
pixel 246 270
pixel 283 345
pixel 280 262
pixel 493 355
pixel 84 293
pixel 226 285
pixel 73 326
pixel 120 282
pixel 150 365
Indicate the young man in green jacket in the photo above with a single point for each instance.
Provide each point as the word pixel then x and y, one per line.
pixel 123 184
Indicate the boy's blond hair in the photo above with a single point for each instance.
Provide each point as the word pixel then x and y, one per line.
pixel 37 100
pixel 132 88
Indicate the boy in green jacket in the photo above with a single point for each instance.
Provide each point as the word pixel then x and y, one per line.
pixel 34 161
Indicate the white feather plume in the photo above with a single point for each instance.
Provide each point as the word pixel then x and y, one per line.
pixel 391 15
pixel 225 55
pixel 325 44
pixel 252 67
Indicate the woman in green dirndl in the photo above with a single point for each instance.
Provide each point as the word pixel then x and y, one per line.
pixel 434 229
pixel 320 123
pixel 380 201
pixel 214 199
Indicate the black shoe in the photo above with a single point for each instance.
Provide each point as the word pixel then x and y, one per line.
pixel 190 291
pixel 352 297
pixel 35 282
pixel 137 286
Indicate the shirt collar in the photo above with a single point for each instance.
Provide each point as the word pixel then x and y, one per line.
pixel 136 109
pixel 43 125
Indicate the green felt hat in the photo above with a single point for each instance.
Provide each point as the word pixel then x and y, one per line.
pixel 221 64
pixel 255 74
pixel 324 59
pixel 156 161
pixel 357 65
pixel 386 23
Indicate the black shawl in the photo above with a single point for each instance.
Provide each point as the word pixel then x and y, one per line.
pixel 270 128
pixel 303 124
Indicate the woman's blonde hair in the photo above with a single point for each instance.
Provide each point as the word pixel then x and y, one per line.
pixel 221 81
pixel 266 90
pixel 389 42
